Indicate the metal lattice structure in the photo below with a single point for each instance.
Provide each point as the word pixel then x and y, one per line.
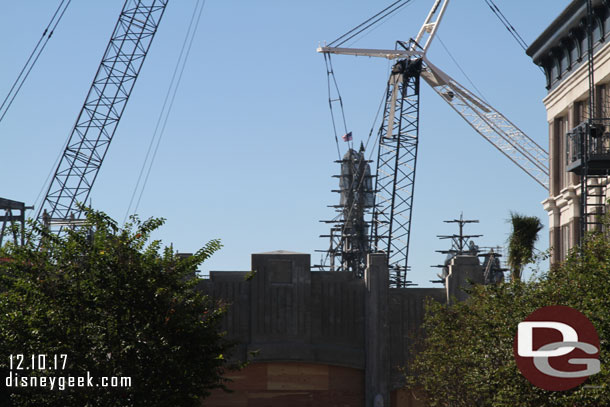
pixel 396 163
pixel 106 100
pixel 492 125
pixel 12 220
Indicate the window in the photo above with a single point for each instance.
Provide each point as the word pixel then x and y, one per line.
pixel 581 111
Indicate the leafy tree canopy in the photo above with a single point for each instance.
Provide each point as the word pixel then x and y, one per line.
pixel 466 357
pixel 118 305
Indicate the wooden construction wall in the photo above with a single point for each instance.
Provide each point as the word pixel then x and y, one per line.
pixel 292 384
pixel 405 398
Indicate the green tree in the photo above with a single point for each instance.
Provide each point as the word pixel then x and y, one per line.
pixel 466 357
pixel 118 305
pixel 521 242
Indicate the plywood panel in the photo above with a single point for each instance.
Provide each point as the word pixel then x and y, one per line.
pixel 292 385
pixel 253 377
pixel 346 379
pixel 220 398
pixel 280 399
pixel 337 399
pixel 406 398
pixel 297 376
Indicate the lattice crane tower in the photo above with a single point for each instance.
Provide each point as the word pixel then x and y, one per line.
pixel 104 105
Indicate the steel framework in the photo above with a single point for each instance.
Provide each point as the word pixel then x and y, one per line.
pixel 395 180
pixel 396 163
pixel 104 105
pixel 13 223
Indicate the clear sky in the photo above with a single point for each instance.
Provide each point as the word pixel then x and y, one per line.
pixel 247 154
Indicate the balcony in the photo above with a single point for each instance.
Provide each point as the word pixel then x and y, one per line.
pixel 588 148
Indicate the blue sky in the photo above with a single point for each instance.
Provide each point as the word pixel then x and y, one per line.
pixel 247 154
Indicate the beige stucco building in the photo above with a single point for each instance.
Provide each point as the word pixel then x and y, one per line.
pixel 561 50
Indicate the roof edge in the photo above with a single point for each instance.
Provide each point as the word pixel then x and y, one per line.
pixel 572 12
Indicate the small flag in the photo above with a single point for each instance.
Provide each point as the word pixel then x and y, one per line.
pixel 347 137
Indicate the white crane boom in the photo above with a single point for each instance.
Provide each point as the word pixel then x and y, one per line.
pixel 491 124
pixel 428 30
pixel 367 52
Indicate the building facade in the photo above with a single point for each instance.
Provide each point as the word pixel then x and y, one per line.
pixel 562 51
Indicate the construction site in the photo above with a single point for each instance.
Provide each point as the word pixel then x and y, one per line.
pixel 338 223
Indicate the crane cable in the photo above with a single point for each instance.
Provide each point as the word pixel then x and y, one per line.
pixel 334 98
pixel 507 24
pixel 168 103
pixel 334 95
pixel 391 9
pixel 496 10
pixel 33 58
pixel 362 158
pixel 511 29
pixel 461 70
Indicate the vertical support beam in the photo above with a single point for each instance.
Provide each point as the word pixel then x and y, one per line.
pixel 377 332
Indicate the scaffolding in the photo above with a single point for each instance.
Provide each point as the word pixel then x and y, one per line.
pixel 12 219
pixel 349 233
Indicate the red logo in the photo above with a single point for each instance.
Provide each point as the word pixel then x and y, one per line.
pixel 556 348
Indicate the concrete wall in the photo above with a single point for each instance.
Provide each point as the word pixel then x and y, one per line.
pixel 292 316
pixel 286 312
pixel 464 271
pixel 406 314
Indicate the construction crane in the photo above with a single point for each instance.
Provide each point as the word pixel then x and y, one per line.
pixel 399 136
pixel 98 119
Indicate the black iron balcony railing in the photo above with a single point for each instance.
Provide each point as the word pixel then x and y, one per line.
pixel 588 148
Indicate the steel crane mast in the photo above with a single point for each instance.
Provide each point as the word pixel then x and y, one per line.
pixel 104 105
pixel 399 134
pixel 396 163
